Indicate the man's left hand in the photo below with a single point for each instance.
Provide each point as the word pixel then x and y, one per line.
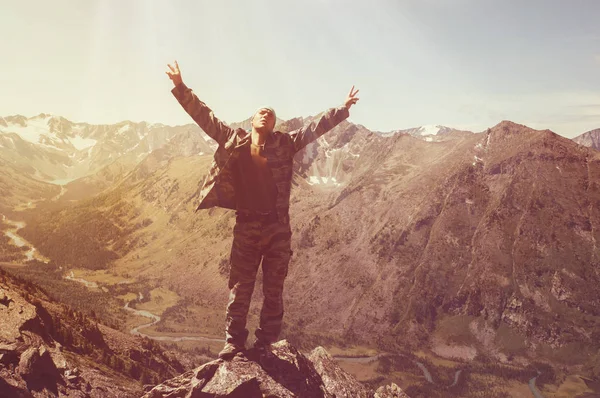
pixel 351 98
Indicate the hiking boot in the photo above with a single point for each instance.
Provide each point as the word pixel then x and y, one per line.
pixel 261 347
pixel 261 353
pixel 229 350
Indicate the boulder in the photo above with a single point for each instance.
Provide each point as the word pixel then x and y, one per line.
pixel 280 373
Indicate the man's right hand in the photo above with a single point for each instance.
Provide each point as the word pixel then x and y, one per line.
pixel 174 74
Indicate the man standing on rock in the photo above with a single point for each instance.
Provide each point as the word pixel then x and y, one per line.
pixel 252 174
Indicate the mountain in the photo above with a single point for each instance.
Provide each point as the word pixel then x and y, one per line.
pixel 591 139
pixel 54 149
pixel 47 349
pixel 19 190
pixel 466 240
pixel 427 132
pixel 472 246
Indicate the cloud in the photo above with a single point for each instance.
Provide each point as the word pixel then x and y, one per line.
pixel 597 58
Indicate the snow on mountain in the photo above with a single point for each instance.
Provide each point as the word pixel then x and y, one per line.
pixel 66 150
pixel 318 180
pixel 425 131
pixel 82 143
pixel 33 129
pixel 429 129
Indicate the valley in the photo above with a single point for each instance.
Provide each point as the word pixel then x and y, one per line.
pixel 432 250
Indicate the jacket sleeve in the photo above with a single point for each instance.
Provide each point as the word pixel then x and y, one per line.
pixel 326 121
pixel 202 114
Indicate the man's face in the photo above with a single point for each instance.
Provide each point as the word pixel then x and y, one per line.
pixel 264 121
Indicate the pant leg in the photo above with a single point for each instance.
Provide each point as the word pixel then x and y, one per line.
pixel 276 258
pixel 244 261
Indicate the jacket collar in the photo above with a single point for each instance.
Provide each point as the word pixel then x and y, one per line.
pixel 245 140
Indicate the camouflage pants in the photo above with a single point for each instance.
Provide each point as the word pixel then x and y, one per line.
pixel 253 242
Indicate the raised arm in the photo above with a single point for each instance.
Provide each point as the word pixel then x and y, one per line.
pixel 197 109
pixel 328 120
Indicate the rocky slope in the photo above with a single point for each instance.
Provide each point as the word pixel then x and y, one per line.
pixel 49 350
pixel 491 232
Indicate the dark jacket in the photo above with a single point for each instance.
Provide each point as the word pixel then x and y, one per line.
pixel 219 188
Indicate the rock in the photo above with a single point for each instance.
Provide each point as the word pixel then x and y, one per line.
pixel 59 359
pixel 32 361
pixel 27 361
pixel 38 371
pixel 15 312
pixel 71 376
pixel 8 347
pixel 148 387
pixel 390 391
pixel 336 380
pixel 9 354
pixel 175 387
pixel 284 372
pixel 37 362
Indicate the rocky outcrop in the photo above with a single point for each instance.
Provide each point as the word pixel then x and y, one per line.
pixel 334 378
pixel 390 391
pixel 29 361
pixel 281 372
pixel 47 350
pixel 15 312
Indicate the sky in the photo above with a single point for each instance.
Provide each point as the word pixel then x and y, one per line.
pixel 465 64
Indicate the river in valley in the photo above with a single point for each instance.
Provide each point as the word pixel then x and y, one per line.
pixel 154 320
pixel 18 241
pixel 426 373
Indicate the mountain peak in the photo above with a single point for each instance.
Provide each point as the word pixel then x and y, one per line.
pixel 590 138
pixel 42 116
pixel 283 372
pixel 509 124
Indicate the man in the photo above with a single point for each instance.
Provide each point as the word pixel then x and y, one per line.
pixel 252 174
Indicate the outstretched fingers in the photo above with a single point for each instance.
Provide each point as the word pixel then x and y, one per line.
pixel 352 98
pixel 174 69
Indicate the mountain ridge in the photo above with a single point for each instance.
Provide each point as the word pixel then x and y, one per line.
pixel 450 245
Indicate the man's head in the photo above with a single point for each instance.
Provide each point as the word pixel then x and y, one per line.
pixel 264 119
